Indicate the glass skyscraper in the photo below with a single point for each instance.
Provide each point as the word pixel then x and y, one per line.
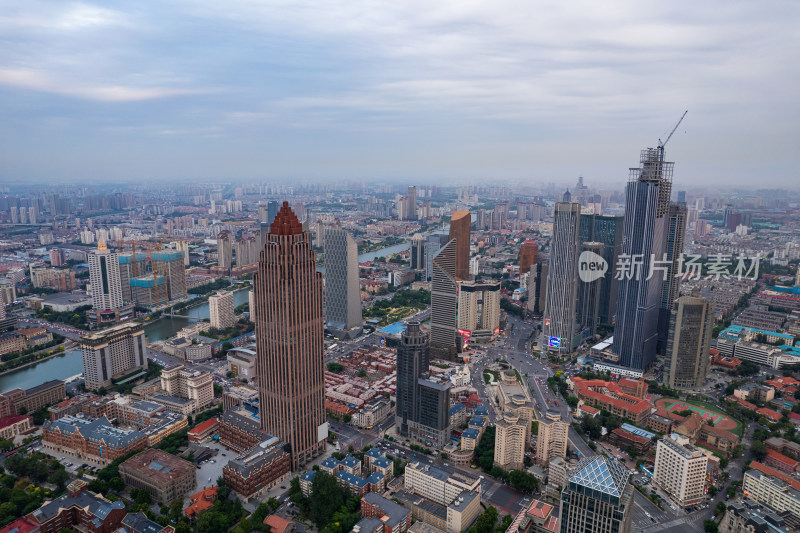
pixel 644 238
pixel 606 230
pixel 597 498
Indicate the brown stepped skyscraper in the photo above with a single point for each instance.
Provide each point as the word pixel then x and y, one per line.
pixel 289 336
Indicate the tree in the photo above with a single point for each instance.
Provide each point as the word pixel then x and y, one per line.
pixel 572 401
pixel 141 497
pixel 759 450
pixel 335 367
pixel 710 526
pixel 326 498
pixel 712 490
pixel 273 504
pixel 720 508
pixel 183 527
pixel 523 481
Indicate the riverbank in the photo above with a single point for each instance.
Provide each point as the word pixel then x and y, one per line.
pixel 67 345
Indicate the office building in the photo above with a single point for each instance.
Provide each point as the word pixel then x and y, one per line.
pixel 112 353
pixel 442 485
pixel 445 340
pixel 510 439
pixel 608 231
pixel 478 310
pixel 561 331
pixel 418 252
pixel 188 384
pixel 412 362
pixel 221 311
pixel 247 249
pixel 342 291
pixel 551 442
pixel 687 355
pixel 289 333
pixel 672 258
pixel 589 294
pixel 528 256
pixel 644 240
pixel 597 497
pixel 225 250
pixel 165 477
pixel 104 278
pixel 15 400
pixel 170 265
pixel 460 232
pixel 433 425
pixel 680 469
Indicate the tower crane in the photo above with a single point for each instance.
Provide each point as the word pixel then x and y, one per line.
pixel 661 145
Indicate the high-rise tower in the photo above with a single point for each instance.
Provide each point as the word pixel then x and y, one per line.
pixel 412 202
pixel 289 335
pixel 644 237
pixel 342 291
pixel 676 232
pixel 418 252
pixel 444 302
pixel 459 231
pixel 560 326
pixel 528 255
pixel 413 359
pixel 225 250
pixel 606 230
pixel 104 278
pixel 688 346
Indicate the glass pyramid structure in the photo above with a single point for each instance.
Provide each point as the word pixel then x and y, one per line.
pixel 601 474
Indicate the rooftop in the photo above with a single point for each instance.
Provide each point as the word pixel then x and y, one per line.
pixel 601 474
pixel 159 465
pixel 97 431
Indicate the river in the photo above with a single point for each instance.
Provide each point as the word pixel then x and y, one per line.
pixel 71 364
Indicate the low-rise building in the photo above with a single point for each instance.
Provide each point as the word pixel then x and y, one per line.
pixel 93 441
pixel 258 470
pixel 772 488
pixel 538 517
pixel 79 510
pixel 625 439
pixel 48 393
pixel 139 523
pixel 745 517
pixel 373 413
pixel 609 395
pixel 395 517
pixel 240 430
pixel 205 431
pixel 13 425
pixel 165 477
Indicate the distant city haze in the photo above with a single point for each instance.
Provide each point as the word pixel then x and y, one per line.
pixel 452 94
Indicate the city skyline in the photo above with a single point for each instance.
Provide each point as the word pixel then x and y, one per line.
pixel 484 93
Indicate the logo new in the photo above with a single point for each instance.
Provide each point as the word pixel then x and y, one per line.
pixel 591 266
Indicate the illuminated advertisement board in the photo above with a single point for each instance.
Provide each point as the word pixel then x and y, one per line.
pixel 554 342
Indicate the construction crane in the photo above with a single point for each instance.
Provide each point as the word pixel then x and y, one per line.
pixel 661 145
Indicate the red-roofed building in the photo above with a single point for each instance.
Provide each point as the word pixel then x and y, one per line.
pixel 794 418
pixel 609 395
pixel 201 501
pixel 278 524
pixel 588 410
pixel 783 382
pixel 781 462
pixel 743 403
pixel 634 387
pixel 21 525
pixel 537 518
pixel 724 361
pixel 755 465
pixel 13 425
pixel 769 414
pixel 205 431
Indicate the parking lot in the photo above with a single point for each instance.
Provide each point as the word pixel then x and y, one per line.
pixel 211 469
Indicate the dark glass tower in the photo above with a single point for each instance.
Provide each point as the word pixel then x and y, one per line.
pixel 606 230
pixel 644 237
pixel 413 360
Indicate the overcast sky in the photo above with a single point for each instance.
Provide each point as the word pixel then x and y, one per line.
pixel 446 91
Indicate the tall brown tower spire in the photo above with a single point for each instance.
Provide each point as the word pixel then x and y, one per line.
pixel 289 336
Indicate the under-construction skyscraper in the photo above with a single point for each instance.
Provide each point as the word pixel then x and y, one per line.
pixel 647 206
